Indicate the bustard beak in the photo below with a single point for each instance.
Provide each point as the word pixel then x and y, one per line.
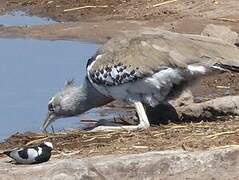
pixel 51 117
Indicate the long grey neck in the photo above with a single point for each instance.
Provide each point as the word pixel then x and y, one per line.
pixel 90 97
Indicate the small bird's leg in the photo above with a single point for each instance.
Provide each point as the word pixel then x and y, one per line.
pixel 143 122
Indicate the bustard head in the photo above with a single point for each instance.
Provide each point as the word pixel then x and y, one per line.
pixel 66 103
pixel 73 100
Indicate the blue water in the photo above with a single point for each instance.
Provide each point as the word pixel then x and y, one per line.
pixel 31 71
pixel 19 18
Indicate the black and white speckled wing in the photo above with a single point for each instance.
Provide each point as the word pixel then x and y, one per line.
pixel 135 56
pixel 119 66
pixel 113 75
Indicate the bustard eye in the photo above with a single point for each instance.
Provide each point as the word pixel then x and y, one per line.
pixel 50 107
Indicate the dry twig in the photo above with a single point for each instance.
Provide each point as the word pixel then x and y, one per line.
pixel 66 154
pixel 227 19
pixel 84 7
pixel 222 133
pixel 36 141
pixel 163 3
pixel 140 147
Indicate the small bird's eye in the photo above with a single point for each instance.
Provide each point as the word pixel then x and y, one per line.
pixel 50 107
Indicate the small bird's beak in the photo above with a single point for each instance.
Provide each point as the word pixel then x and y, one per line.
pixel 51 117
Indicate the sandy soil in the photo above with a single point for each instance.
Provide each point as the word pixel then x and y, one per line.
pixel 98 24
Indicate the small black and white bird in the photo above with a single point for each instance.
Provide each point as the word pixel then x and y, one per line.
pixel 31 155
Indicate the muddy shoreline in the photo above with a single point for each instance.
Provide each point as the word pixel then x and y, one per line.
pixel 101 31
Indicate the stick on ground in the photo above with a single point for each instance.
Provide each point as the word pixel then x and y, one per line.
pixel 84 7
pixel 163 3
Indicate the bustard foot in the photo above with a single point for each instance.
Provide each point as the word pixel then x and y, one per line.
pixel 143 122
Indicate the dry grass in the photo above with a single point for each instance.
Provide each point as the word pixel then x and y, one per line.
pixel 189 136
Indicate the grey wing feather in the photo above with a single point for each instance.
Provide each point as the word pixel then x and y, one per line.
pixel 146 53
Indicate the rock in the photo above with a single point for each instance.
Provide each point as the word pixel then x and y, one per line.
pixel 219 163
pixel 184 110
pixel 186 98
pixel 221 32
pixel 223 106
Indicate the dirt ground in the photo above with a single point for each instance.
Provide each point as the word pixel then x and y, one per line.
pixel 103 22
pixel 63 10
pixel 97 21
pixel 188 136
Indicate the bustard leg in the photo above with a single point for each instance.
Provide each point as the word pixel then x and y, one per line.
pixel 143 121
